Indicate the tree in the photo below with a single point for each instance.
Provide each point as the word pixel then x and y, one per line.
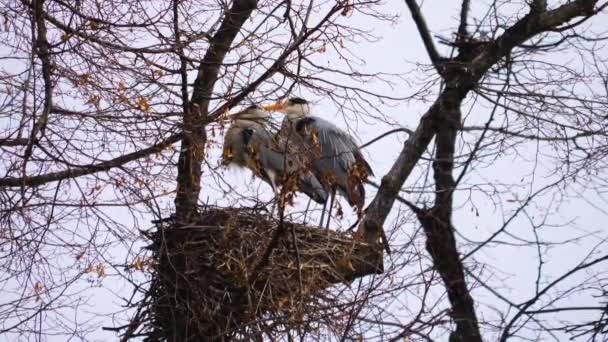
pixel 112 111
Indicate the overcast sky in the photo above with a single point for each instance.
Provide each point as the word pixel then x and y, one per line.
pixel 512 270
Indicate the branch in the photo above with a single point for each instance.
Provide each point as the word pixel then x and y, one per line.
pixel 425 34
pixel 103 166
pixel 276 66
pixel 455 91
pixel 42 49
pixel 111 45
pixel 527 304
pixel 202 117
pixel 400 199
pixel 179 50
pixel 219 45
pixel 462 28
pixel 193 144
pixel 441 242
pixel 370 228
pixel 8 142
pixel 534 23
pixel 443 117
pixel 384 135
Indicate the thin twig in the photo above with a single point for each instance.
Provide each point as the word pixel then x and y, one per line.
pixel 425 34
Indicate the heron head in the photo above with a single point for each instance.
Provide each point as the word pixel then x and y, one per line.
pixel 252 113
pixel 294 108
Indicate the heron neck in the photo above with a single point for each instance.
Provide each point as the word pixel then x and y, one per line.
pixel 296 116
pixel 248 122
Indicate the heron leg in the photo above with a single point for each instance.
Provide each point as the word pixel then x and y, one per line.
pixel 323 214
pixel 331 204
pixel 306 212
pixel 275 199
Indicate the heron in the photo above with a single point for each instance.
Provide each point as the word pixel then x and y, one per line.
pixel 336 160
pixel 248 143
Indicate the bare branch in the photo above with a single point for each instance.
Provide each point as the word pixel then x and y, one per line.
pixel 14 142
pixel 443 119
pixel 464 13
pixel 103 166
pixel 450 99
pixel 424 32
pixel 193 144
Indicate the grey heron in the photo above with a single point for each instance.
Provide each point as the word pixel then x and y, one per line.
pixel 335 158
pixel 249 143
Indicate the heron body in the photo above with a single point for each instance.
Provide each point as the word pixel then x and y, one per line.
pixel 249 143
pixel 336 160
pixel 334 156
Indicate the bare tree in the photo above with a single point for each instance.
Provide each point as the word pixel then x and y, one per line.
pixel 111 117
pixel 492 61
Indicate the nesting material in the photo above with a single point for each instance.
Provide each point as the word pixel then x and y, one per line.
pixel 235 270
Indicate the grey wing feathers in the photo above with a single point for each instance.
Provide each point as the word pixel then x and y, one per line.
pixel 311 186
pixel 338 159
pixel 339 144
pixel 286 165
pixel 286 155
pixel 234 148
pixel 256 141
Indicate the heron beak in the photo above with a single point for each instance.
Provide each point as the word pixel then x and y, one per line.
pixel 277 107
pixel 230 116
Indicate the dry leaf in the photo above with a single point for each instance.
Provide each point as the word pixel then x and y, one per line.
pixel 142 104
pixel 94 100
pixel 138 264
pixel 38 287
pixel 101 271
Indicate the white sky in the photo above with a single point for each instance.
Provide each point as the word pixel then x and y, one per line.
pixel 509 269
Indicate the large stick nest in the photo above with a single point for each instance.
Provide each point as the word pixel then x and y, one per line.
pixel 236 272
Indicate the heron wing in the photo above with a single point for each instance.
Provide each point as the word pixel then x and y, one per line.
pixel 336 157
pixel 234 148
pixel 340 144
pixel 287 165
pixel 264 155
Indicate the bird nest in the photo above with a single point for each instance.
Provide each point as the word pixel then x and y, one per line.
pixel 231 273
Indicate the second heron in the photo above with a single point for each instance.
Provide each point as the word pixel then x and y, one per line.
pixel 335 158
pixel 248 143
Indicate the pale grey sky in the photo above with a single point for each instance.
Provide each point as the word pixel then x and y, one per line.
pixel 508 268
